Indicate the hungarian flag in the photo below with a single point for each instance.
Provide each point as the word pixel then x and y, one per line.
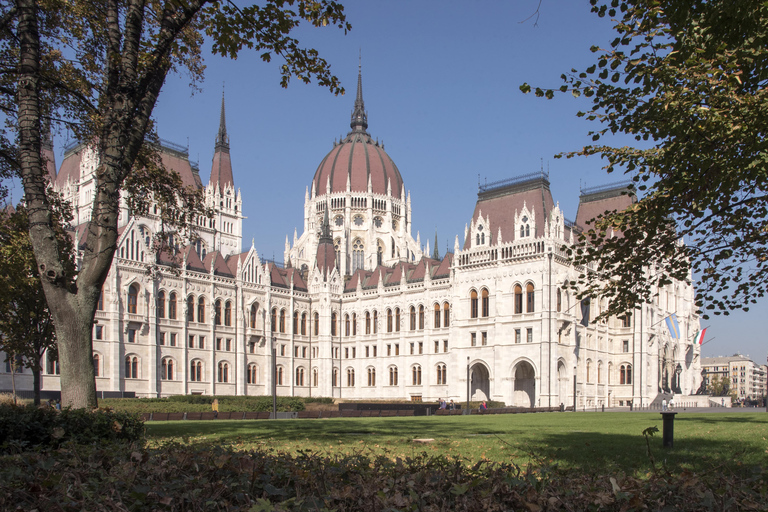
pixel 699 337
pixel 673 326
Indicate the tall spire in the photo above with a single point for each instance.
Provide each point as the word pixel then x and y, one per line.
pixel 359 115
pixel 222 139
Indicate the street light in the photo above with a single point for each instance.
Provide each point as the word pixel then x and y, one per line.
pixel 678 371
pixel 467 411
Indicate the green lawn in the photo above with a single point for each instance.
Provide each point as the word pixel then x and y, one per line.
pixel 588 441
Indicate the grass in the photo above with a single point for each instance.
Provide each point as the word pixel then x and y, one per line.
pixel 586 441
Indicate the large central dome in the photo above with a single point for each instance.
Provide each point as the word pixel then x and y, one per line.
pixel 357 160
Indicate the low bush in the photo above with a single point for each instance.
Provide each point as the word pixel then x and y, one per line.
pixel 209 477
pixel 28 427
pixel 202 403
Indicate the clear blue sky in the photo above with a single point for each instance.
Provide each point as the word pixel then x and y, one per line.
pixel 440 83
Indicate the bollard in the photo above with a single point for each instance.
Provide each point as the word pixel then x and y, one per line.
pixel 668 432
pixel 603 407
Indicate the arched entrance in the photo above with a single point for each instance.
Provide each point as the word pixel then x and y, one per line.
pixel 480 387
pixel 524 387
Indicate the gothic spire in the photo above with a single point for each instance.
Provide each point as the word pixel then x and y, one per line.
pixel 359 115
pixel 222 139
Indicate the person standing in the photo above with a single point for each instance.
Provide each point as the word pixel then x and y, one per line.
pixel 663 404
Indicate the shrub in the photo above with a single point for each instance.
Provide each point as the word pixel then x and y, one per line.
pixel 26 427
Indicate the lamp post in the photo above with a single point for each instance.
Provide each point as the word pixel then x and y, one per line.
pixel 468 385
pixel 274 378
pixel 678 371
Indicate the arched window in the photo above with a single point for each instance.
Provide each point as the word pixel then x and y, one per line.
pixel 252 373
pixel 379 253
pixel 371 376
pixel 295 322
pixel 161 304
pixel 191 308
pixel 300 376
pixel 473 304
pixel 196 371
pixel 389 320
pixel 131 367
pixel 354 324
pixel 314 377
pixel 367 323
pixel 393 375
pixel 282 320
pixel 172 306
pixel 100 303
pixel 51 363
pixel 303 324
pixel 486 302
pixel 416 375
pixel 217 312
pixel 274 320
pixel 518 299
pixel 358 255
pixel 346 325
pixel 529 296
pixel 279 375
pixel 421 318
pixel 223 372
pixel 201 310
pixel 589 370
pixel 350 377
pixel 625 374
pixel 228 314
pixel 335 377
pixel 413 318
pixel 441 374
pixel 397 319
pixel 97 365
pixel 375 321
pixel 167 369
pixel 446 315
pixel 316 328
pixel 599 372
pixel 133 299
pixel 252 316
pixel 437 316
pixel 333 323
pixel 559 300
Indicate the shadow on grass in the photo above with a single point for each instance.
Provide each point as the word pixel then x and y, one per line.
pixel 586 441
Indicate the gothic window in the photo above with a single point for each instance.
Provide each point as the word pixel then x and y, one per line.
pixel 252 316
pixel 599 372
pixel 282 320
pixel 316 329
pixel 367 323
pixel 589 370
pixel 337 248
pixel 100 303
pixel 371 376
pixel 473 304
pixel 161 304
pixel 96 365
pixel 358 220
pixel 413 318
pixel 375 321
pixel 354 324
pixel 486 304
pixel 303 324
pixel 346 325
pixel 393 375
pixel 626 320
pixel 416 375
pixel 358 255
pixel 217 312
pixel 279 376
pixel 251 374
pixel 314 377
pixel 421 318
pixel 335 377
pixel 529 295
pixel 339 220
pixel 196 371
pixel 274 320
pixel 300 376
pixel 389 320
pixel 441 374
pixel 172 306
pixel 625 374
pixel 518 299
pixel 437 316
pixel 295 322
pixel 228 314
pixel 201 310
pixel 397 319
pixel 167 369
pixel 377 222
pixel 446 315
pixel 131 367
pixel 333 323
pixel 133 298
pixel 350 377
pixel 559 300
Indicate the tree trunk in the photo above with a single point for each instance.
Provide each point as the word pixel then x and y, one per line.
pixel 36 385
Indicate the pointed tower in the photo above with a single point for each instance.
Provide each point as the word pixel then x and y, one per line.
pixel 221 169
pixel 359 121
pixel 326 252
pixel 436 254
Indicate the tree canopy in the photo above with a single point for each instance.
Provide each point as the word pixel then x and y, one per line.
pixel 688 79
pixel 97 68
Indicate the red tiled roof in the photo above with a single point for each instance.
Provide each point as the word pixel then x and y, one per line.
pixel 70 168
pixel 592 205
pixel 221 170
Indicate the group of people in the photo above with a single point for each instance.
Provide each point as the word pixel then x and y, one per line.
pixel 452 406
pixel 54 404
pixel 668 406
